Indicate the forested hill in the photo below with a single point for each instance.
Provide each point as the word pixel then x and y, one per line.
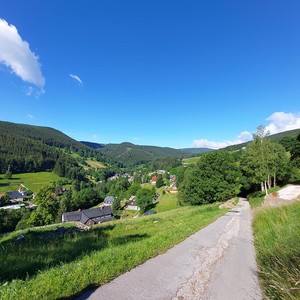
pixel 274 137
pixel 27 148
pixel 130 154
pixel 46 135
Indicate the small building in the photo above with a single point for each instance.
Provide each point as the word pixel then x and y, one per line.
pixel 153 179
pixel 16 195
pixel 89 217
pixel 108 201
pixel 131 205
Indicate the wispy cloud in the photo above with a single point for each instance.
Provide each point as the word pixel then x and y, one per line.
pixel 278 122
pixel 76 78
pixel 15 54
pixel 30 116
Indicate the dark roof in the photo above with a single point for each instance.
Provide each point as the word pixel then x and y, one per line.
pixel 97 212
pixel 109 199
pixel 83 216
pixel 149 212
pixel 72 216
pixel 15 195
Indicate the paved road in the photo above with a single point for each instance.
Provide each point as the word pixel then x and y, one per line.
pixel 217 262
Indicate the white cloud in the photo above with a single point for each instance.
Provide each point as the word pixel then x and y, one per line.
pixel 30 116
pixel 243 137
pixel 278 122
pixel 16 54
pixel 76 78
pixel 281 121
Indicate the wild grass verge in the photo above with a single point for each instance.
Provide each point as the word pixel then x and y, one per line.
pixel 64 266
pixel 277 240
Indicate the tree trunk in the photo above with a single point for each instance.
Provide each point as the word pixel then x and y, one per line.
pixel 266 188
pixel 262 186
pixel 274 179
pixel 269 182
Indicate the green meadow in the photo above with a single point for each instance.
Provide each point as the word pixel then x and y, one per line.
pixel 46 267
pixel 32 181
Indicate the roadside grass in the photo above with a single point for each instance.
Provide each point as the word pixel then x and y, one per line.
pixel 277 240
pixel 32 181
pixel 166 202
pixel 62 267
pixel 257 199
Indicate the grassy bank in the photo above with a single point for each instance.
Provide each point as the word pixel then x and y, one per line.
pixel 52 268
pixel 277 240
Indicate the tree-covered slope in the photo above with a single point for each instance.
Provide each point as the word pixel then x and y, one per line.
pixel 27 148
pixel 46 135
pixel 130 154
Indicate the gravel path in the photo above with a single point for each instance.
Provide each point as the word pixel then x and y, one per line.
pixel 217 262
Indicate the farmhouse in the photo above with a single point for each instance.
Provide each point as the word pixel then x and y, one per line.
pixel 89 217
pixel 131 205
pixel 108 201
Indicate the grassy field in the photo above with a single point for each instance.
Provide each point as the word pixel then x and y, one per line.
pixel 277 240
pixel 32 181
pixel 191 160
pixel 61 267
pixel 166 202
pixel 95 164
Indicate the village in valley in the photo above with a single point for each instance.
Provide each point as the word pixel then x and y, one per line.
pixel 159 182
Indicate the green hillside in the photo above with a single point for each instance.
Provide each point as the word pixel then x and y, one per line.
pixel 27 148
pixel 46 135
pixel 130 154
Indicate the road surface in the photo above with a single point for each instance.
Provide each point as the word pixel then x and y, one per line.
pixel 217 262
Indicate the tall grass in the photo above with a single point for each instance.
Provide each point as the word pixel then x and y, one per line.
pixel 61 267
pixel 277 242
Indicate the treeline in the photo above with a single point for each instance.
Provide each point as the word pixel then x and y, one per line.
pixel 220 175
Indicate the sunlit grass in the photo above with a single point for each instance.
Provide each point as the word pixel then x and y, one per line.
pixel 32 181
pixel 52 268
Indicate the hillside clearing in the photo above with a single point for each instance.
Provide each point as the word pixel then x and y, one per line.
pixel 32 181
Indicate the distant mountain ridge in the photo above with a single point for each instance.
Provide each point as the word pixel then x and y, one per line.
pixel 128 153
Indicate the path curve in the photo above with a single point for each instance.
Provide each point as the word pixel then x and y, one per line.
pixel 217 262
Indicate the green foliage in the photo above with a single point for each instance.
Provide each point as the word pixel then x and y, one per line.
pixel 144 199
pixel 116 208
pixel 265 161
pixel 4 200
pixel 216 177
pixel 9 219
pixel 47 210
pixel 159 181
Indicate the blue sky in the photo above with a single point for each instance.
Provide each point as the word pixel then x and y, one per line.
pixel 166 73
